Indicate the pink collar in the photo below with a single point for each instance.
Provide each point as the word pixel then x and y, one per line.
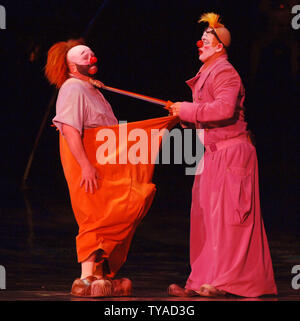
pixel 217 61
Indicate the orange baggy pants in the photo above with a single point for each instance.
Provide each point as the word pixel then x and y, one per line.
pixel 107 219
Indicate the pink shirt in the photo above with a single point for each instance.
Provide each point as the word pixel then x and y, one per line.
pixel 218 97
pixel 80 105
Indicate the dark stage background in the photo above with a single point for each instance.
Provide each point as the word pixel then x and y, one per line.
pixel 147 47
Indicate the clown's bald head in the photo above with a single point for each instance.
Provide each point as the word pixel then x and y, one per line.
pixel 215 39
pixel 224 35
pixel 221 33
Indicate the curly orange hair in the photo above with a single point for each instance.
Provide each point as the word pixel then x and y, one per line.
pixel 56 69
pixel 212 19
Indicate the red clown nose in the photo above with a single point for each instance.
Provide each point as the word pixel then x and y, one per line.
pixel 93 60
pixel 199 43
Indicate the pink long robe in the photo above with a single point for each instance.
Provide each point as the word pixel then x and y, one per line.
pixel 228 243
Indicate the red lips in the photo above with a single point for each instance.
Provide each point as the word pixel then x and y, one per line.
pixel 93 70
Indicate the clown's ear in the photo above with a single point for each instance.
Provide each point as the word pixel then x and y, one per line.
pixel 212 19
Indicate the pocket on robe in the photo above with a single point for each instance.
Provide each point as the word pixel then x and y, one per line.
pixel 239 190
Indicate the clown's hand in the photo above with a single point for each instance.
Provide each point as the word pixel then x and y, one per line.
pixel 96 83
pixel 175 109
pixel 89 177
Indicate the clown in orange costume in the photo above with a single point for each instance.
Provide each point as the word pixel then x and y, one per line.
pixel 229 251
pixel 80 106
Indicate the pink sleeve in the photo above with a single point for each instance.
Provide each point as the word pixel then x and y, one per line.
pixel 226 85
pixel 70 108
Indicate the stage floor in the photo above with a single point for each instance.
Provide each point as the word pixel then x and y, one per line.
pixel 37 250
pixel 138 295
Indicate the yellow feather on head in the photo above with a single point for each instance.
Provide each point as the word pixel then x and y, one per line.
pixel 212 19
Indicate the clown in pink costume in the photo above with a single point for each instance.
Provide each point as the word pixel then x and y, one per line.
pixel 229 251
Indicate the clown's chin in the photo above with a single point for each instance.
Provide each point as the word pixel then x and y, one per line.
pixel 203 57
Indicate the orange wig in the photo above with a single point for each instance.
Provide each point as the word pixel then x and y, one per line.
pixel 56 69
pixel 212 19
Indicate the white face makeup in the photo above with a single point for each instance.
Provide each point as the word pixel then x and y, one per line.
pixel 207 50
pixel 82 61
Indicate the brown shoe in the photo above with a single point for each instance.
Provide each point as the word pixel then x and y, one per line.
pixel 82 287
pixel 122 287
pixel 210 291
pixel 102 288
pixel 176 290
